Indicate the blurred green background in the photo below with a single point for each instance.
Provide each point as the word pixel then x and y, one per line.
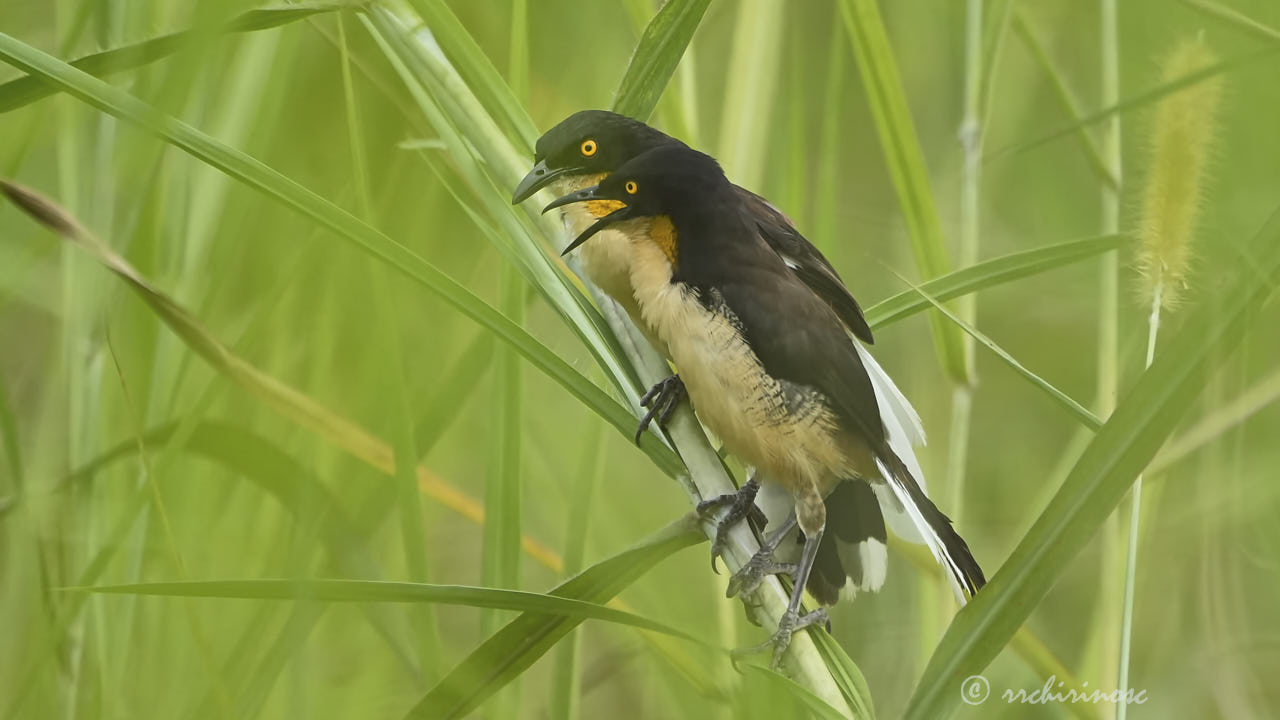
pixel 87 368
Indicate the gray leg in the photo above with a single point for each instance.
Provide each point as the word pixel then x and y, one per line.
pixel 792 620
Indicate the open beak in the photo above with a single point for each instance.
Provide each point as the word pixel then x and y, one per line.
pixel 539 177
pixel 583 195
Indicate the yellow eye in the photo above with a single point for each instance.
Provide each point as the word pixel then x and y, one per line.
pixel 631 187
pixel 588 148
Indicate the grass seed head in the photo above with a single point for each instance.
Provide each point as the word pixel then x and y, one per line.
pixel 1180 146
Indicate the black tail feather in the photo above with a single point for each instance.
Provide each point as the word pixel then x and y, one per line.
pixel 963 567
pixel 853 518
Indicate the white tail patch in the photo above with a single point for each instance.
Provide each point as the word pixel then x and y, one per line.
pixel 904 432
pixel 873 557
pixel 875 564
pixel 893 404
pixel 931 539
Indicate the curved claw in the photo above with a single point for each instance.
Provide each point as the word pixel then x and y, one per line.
pixel 662 400
pixel 744 579
pixel 741 504
pixel 719 544
pixel 644 425
pixel 749 577
pixel 672 401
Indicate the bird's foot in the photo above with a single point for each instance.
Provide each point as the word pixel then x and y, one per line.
pixel 662 400
pixel 741 504
pixel 790 622
pixel 749 576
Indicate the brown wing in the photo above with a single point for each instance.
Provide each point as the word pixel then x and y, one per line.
pixel 806 344
pixel 806 261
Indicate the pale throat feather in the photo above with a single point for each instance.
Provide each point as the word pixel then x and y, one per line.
pixel 606 257
pixel 759 418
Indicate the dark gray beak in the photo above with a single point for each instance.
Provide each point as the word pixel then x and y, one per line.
pixel 539 177
pixel 583 195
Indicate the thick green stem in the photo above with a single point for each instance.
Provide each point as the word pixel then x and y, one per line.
pixel 970 215
pixel 1108 328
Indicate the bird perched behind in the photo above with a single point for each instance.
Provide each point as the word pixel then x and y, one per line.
pixel 583 149
pixel 768 366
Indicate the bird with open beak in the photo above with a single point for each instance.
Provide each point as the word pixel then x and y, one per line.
pixel 770 368
pixel 585 148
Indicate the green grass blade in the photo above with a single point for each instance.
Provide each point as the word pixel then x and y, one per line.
pixel 1065 98
pixel 749 98
pixel 988 274
pixel 293 404
pixel 656 56
pixel 853 686
pixel 813 703
pixel 283 398
pixel 257 175
pixel 503 492
pixel 256 459
pixel 379 591
pixel 996 32
pixel 1141 100
pixel 1099 479
pixel 264 676
pixel 831 133
pixel 12 450
pixel 565 687
pixel 1081 414
pixel 511 651
pixel 1213 425
pixel 518 54
pixel 905 160
pixel 275 185
pixel 490 165
pixel 1235 19
pixel 24 91
pixel 1029 647
pixel 544 277
pixel 253 457
pixel 68 613
pixel 413 534
pixel 452 392
pixel 478 70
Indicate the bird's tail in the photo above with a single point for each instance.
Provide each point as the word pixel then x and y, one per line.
pixel 852 557
pixel 948 548
pixel 903 432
